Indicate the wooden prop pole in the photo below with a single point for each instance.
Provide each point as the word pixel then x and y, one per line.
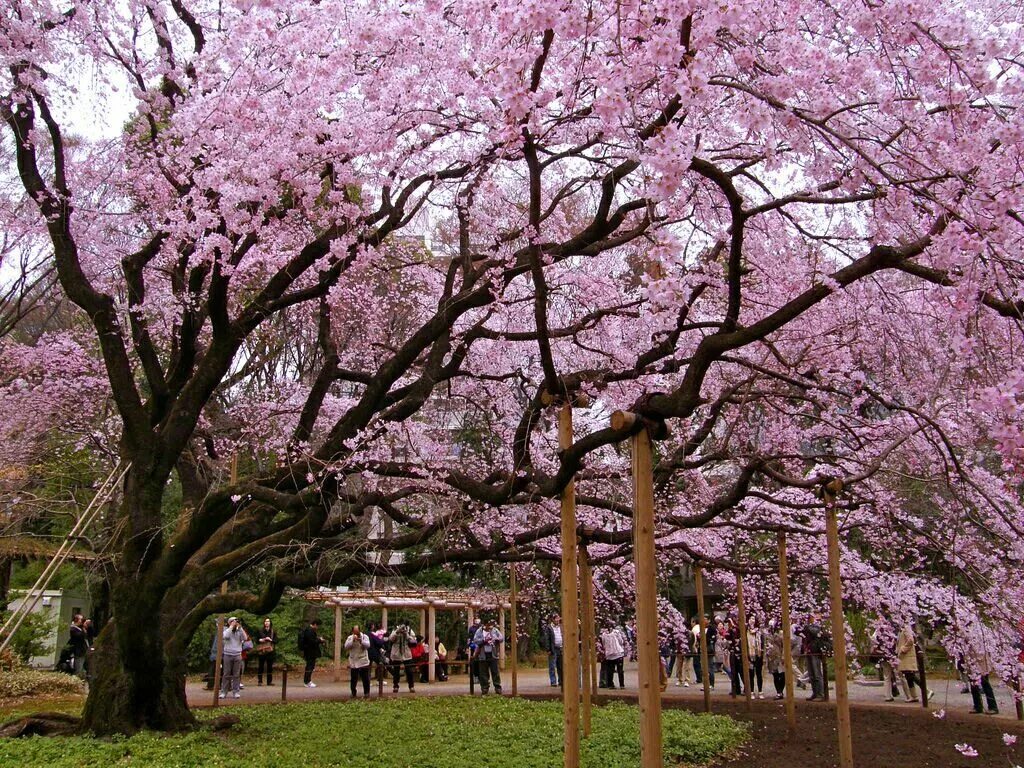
pixel 384 619
pixel 646 601
pixel 570 607
pixel 921 676
pixel 835 589
pixel 514 638
pixel 219 661
pixel 744 646
pixel 431 643
pixel 787 634
pixel 588 643
pixel 337 643
pixel 705 670
pixel 501 646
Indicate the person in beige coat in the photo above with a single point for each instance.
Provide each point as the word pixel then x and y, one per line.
pixel 906 652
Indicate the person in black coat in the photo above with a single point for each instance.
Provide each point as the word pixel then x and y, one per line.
pixel 309 644
pixel 79 643
pixel 267 635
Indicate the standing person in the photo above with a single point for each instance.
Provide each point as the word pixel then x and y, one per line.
pixel 309 646
pixel 775 657
pixel 79 643
pixel 614 647
pixel 552 641
pixel 402 641
pixel 814 647
pixel 684 658
pixel 756 643
pixel 883 648
pixel 441 663
pixel 420 658
pixel 979 672
pixel 488 639
pixel 474 667
pixel 666 655
pixel 358 646
pixel 906 650
pixel 231 663
pixel 735 652
pixel 377 649
pixel 266 645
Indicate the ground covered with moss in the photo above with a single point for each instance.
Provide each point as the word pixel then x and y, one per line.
pixel 456 732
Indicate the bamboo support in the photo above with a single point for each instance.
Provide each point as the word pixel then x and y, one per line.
pixel 646 602
pixel 744 646
pixel 835 589
pixel 787 634
pixel 705 671
pixel 570 607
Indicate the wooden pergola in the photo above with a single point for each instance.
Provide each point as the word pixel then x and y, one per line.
pixel 427 601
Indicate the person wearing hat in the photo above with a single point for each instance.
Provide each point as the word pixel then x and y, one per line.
pixel 231 662
pixel 488 639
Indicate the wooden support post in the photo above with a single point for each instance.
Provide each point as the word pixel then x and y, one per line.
pixel 337 643
pixel 570 607
pixel 705 670
pixel 587 635
pixel 1018 702
pixel 646 596
pixel 587 596
pixel 501 646
pixel 744 646
pixel 432 643
pixel 513 620
pixel 787 634
pixel 284 683
pixel 470 616
pixel 384 619
pixel 423 622
pixel 218 663
pixel 921 675
pixel 835 589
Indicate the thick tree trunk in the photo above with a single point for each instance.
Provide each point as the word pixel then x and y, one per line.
pixel 134 685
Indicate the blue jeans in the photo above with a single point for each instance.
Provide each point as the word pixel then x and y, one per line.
pixel 555 667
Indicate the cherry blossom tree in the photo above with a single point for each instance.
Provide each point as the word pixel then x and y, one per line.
pixel 363 244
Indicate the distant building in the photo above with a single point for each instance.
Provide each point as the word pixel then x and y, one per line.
pixel 58 606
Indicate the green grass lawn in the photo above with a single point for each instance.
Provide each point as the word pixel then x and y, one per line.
pixel 441 732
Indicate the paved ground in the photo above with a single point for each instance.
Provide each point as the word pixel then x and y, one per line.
pixel 535 682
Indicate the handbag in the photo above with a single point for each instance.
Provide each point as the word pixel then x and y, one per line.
pixel 247 645
pixel 264 648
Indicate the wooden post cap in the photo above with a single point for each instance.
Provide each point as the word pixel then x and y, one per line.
pixel 622 420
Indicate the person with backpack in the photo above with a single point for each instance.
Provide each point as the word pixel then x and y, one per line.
pixel 310 643
pixel 402 641
pixel 487 640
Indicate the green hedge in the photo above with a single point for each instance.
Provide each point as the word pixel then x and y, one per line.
pixel 442 732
